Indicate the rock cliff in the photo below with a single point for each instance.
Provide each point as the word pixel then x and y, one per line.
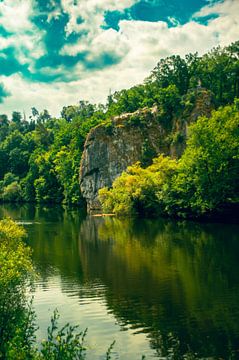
pixel 111 147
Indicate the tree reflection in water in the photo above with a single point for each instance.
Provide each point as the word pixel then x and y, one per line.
pixel 155 276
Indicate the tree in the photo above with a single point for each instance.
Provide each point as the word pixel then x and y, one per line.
pixel 43 136
pixel 47 186
pixel 16 117
pixel 207 174
pixel 4 120
pixel 3 162
pixel 67 169
pixel 43 116
pixel 137 191
pixel 4 127
pixel 69 112
pixel 18 148
pixel 171 71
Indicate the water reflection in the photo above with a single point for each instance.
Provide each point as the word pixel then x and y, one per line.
pixel 151 276
pixel 168 276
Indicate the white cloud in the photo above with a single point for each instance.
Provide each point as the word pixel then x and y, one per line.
pixel 15 14
pixel 23 36
pixel 222 8
pixel 140 44
pixel 24 44
pixel 226 26
pixel 92 12
pixel 43 96
pixel 110 42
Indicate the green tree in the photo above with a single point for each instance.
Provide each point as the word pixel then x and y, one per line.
pixel 3 162
pixel 16 117
pixel 67 169
pixel 172 70
pixel 138 191
pixel 43 116
pixel 18 148
pixel 47 186
pixel 209 168
pixel 69 112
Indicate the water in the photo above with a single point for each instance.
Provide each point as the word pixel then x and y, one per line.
pixel 135 281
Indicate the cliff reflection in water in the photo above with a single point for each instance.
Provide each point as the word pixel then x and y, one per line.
pixel 154 276
pixel 165 276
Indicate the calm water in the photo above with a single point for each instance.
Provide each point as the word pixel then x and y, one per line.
pixel 136 281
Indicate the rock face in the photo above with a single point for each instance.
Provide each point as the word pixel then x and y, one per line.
pixel 111 147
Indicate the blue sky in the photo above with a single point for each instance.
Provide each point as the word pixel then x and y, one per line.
pixel 57 52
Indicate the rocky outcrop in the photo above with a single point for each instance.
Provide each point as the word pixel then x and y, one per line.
pixel 198 102
pixel 111 147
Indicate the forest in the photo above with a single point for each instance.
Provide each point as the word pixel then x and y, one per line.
pixel 40 156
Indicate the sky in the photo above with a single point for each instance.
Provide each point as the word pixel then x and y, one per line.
pixel 55 53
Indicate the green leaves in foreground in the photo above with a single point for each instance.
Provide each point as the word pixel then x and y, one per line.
pixel 17 317
pixel 63 344
pixel 15 273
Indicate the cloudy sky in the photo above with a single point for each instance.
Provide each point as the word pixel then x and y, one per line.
pixel 57 52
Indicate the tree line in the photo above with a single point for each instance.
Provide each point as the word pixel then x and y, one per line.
pixel 40 156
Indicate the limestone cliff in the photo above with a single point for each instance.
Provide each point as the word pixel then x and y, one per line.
pixel 138 136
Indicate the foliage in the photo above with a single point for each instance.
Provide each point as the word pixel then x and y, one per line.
pixel 204 178
pixel 44 153
pixel 47 179
pixel 172 70
pixel 12 192
pixel 64 343
pixel 208 170
pixel 10 189
pixel 17 318
pixel 137 191
pixel 15 272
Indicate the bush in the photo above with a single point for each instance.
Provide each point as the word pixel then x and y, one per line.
pixel 15 273
pixel 12 192
pixel 137 191
pixel 208 170
pixel 203 180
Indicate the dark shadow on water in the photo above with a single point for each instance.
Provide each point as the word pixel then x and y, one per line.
pixel 159 275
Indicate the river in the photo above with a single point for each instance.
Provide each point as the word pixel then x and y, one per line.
pixel 135 281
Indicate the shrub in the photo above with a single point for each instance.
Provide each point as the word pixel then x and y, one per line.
pixel 15 273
